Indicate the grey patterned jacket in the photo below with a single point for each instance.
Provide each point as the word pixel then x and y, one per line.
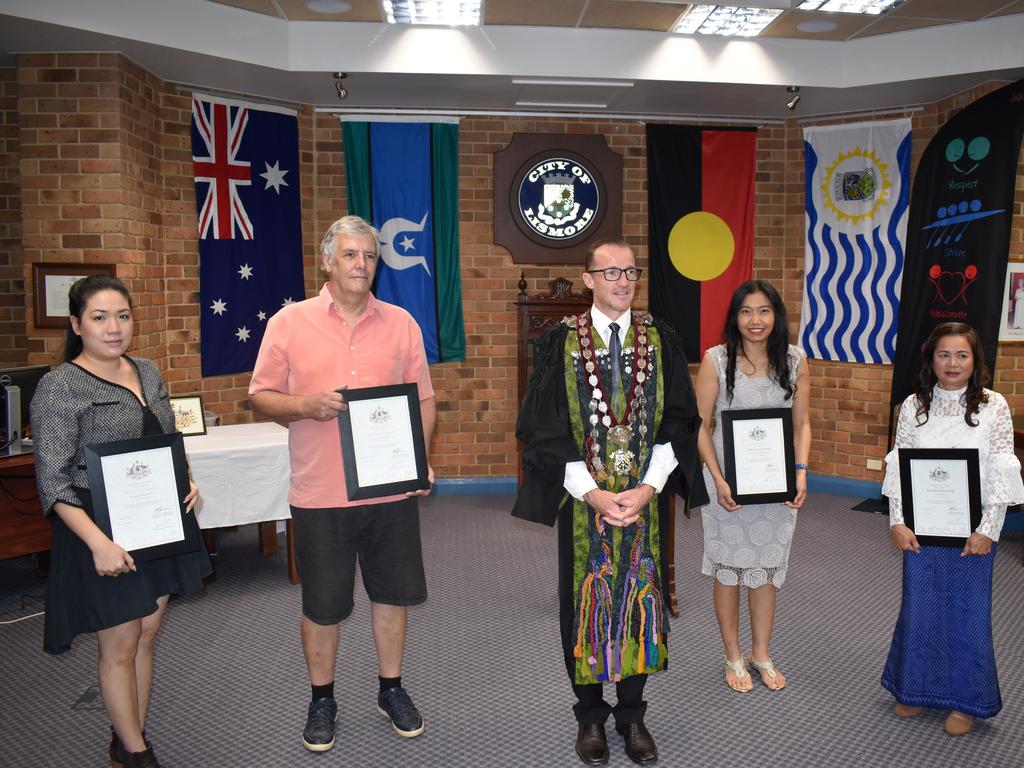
pixel 73 408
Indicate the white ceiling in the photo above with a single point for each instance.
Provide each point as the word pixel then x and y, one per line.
pixel 638 72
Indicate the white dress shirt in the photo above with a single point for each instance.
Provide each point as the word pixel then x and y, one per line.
pixel 578 480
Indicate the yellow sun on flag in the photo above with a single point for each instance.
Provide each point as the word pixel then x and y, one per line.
pixel 701 246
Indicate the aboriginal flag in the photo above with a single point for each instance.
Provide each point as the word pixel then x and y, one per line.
pixel 701 205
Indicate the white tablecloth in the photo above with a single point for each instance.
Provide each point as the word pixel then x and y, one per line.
pixel 242 471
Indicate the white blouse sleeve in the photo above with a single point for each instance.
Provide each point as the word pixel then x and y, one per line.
pixel 904 439
pixel 1004 485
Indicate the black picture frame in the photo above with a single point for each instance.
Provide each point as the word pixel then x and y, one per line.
pixel 98 489
pixel 730 420
pixel 968 455
pixel 358 491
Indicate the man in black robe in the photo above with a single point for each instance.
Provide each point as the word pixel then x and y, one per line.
pixel 609 421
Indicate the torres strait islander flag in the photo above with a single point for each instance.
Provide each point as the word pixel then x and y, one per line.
pixel 701 203
pixel 403 177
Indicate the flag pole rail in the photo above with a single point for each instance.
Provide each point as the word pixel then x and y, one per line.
pixel 186 89
pixel 355 113
pixel 892 112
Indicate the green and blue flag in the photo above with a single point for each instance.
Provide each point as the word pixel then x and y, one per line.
pixel 403 177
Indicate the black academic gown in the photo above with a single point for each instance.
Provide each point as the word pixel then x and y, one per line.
pixel 546 432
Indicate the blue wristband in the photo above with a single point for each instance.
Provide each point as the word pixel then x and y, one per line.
pixel 801 466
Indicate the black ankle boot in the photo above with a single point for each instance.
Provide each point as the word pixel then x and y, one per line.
pixel 144 759
pixel 116 751
pixel 118 754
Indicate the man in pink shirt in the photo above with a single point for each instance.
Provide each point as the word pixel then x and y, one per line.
pixel 345 338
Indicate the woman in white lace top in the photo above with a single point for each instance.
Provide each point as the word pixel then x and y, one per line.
pixel 941 654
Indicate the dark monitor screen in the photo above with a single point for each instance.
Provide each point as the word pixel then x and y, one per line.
pixel 26 378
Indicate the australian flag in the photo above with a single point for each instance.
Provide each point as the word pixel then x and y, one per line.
pixel 245 159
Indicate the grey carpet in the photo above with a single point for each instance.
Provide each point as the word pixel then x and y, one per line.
pixel 484 666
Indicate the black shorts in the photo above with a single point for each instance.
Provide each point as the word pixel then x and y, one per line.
pixel 386 540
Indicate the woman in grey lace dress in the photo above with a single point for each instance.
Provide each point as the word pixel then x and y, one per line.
pixel 748 545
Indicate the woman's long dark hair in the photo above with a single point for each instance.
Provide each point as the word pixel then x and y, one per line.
pixel 778 340
pixel 78 297
pixel 926 378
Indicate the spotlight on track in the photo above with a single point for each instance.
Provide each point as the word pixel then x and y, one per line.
pixel 339 84
pixel 795 90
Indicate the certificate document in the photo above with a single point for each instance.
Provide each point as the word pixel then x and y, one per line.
pixel 137 489
pixel 384 452
pixel 142 498
pixel 758 452
pixel 941 493
pixel 382 447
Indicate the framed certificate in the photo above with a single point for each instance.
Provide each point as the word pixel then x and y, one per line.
pixel 188 415
pixel 51 282
pixel 137 488
pixel 941 489
pixel 382 446
pixel 759 460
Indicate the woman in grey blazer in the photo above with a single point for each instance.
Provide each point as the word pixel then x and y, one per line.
pixel 97 395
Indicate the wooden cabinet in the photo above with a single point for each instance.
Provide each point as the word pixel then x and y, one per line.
pixel 536 315
pixel 23 529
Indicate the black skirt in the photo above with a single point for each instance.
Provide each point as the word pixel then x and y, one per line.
pixel 80 600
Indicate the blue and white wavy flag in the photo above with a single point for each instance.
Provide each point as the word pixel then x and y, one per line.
pixel 857 196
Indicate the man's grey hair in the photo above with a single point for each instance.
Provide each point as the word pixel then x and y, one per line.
pixel 351 226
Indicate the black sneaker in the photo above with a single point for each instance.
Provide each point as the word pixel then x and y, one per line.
pixel 395 704
pixel 319 733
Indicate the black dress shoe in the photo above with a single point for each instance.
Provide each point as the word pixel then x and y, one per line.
pixel 640 747
pixel 592 744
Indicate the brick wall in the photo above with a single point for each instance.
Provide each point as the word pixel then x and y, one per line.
pixel 98 161
pixel 13 342
pixel 850 402
pixel 89 137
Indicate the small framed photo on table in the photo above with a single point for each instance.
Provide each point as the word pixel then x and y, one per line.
pixel 50 285
pixel 188 415
pixel 759 457
pixel 941 490
pixel 382 448
pixel 137 488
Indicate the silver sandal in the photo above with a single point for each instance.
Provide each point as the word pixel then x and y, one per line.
pixel 739 668
pixel 766 667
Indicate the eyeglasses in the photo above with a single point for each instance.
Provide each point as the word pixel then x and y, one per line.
pixel 611 274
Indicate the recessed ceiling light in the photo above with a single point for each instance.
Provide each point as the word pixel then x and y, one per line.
pixel 816 25
pixel 725 20
pixel 868 7
pixel 328 6
pixel 452 13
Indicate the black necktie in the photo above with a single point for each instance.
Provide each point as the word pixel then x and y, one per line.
pixel 615 352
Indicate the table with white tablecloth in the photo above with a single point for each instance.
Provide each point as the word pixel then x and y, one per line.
pixel 242 471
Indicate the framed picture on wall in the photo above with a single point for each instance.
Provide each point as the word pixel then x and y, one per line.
pixel 1011 325
pixel 50 285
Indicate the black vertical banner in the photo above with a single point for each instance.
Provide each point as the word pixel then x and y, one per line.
pixel 958 235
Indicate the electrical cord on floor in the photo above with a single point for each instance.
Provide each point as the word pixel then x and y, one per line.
pixel 15 621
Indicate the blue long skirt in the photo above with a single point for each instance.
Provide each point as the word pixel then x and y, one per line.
pixel 941 654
